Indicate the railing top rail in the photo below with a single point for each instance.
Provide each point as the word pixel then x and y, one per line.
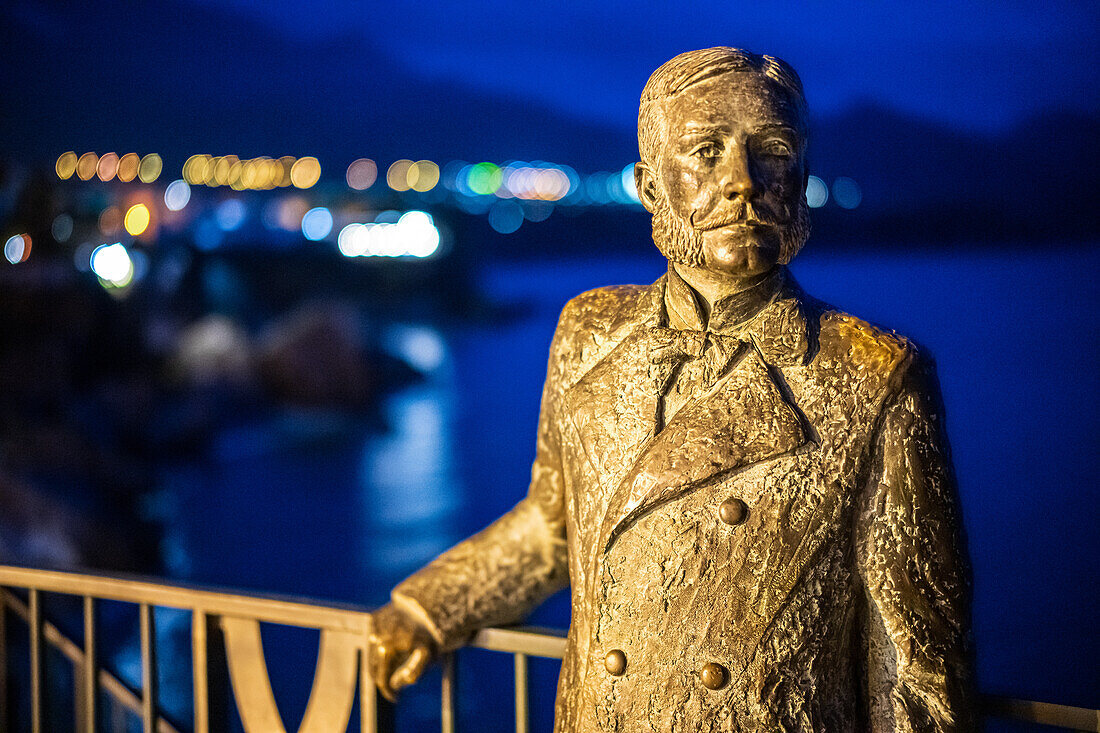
pixel 288 611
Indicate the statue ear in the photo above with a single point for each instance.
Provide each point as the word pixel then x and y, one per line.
pixel 646 183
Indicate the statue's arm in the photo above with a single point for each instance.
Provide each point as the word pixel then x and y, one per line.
pixel 500 574
pixel 914 569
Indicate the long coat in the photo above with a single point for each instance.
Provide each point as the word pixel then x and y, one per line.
pixel 783 554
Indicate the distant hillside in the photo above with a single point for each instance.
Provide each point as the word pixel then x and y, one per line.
pixel 180 78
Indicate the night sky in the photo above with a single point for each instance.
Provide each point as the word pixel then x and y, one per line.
pixel 981 65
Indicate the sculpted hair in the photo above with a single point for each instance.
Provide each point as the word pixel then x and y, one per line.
pixel 687 69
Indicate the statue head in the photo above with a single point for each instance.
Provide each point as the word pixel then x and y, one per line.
pixel 722 137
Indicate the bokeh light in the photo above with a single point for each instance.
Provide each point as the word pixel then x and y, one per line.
pixel 107 166
pixel 629 185
pixel 128 167
pixel 177 195
pixel 66 165
pixel 110 221
pixel 423 176
pixel 847 193
pixel 397 177
pixel 817 193
pixel 62 227
pixel 137 219
pixel 412 234
pixel 484 178
pixel 305 172
pixel 112 265
pixel 18 248
pixel 230 214
pixel 86 165
pixel 317 223
pixel 505 216
pixel 362 174
pixel 150 167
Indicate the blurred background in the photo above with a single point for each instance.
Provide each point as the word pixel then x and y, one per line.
pixel 279 281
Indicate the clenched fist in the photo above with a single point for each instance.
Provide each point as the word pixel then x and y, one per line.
pixel 400 650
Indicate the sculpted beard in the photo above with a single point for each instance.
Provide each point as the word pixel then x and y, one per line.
pixel 680 242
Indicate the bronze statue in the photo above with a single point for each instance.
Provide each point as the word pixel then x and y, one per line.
pixel 748 491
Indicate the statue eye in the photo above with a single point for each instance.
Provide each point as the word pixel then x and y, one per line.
pixel 707 150
pixel 777 148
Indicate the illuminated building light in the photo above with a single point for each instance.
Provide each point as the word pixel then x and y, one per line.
pixel 397 176
pixel 817 193
pixel 150 167
pixel 136 220
pixel 128 167
pixel 628 184
pixel 18 248
pixel 107 166
pixel 362 174
pixel 112 265
pixel 425 178
pixel 847 193
pixel 505 216
pixel 230 214
pixel 305 172
pixel 65 165
pixel 110 221
pixel 317 223
pixel 86 165
pixel 62 228
pixel 177 195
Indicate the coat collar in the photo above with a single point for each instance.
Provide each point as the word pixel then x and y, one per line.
pixel 747 418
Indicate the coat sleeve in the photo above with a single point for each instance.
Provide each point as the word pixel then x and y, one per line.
pixel 500 574
pixel 914 570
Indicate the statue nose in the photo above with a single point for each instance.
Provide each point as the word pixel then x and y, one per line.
pixel 739 178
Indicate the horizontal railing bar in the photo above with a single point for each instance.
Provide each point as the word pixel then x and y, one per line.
pixel 220 603
pixel 529 640
pixel 113 686
pixel 532 641
pixel 1044 713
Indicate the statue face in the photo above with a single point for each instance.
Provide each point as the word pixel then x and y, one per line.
pixel 731 173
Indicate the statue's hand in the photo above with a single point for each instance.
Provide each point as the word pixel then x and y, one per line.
pixel 400 650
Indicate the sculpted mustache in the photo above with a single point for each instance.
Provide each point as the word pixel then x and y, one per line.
pixel 742 213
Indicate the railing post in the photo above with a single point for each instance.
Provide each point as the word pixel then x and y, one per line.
pixel 38 661
pixel 208 670
pixel 87 692
pixel 149 714
pixel 522 714
pixel 447 694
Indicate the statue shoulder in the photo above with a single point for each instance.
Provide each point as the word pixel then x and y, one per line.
pixel 592 323
pixel 864 346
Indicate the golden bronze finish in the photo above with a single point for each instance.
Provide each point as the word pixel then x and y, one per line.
pixel 615 662
pixel 733 511
pixel 844 604
pixel 714 676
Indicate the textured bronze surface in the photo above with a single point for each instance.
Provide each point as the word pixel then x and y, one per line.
pixel 839 602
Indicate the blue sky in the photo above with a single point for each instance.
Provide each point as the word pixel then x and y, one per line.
pixel 982 65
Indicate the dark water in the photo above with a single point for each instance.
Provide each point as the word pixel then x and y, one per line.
pixel 328 507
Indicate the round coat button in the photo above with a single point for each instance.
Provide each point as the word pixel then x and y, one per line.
pixel 714 676
pixel 733 511
pixel 615 662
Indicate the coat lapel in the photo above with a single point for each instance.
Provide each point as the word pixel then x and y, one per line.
pixel 743 421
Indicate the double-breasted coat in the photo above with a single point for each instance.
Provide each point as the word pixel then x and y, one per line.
pixel 783 554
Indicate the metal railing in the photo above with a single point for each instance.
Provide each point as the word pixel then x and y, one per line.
pixel 225 636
